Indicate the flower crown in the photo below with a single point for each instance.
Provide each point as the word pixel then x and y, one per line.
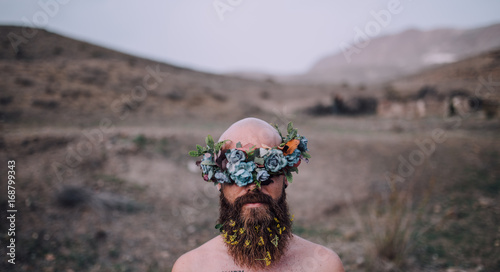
pixel 256 165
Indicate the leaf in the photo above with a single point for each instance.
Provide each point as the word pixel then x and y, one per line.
pixel 194 153
pixel 256 152
pixel 306 155
pixel 259 161
pixel 250 156
pixel 278 129
pixel 238 145
pixel 289 176
pixel 218 145
pixel 207 162
pixel 219 227
pixel 289 128
pixel 210 141
pixel 199 148
pixel 292 135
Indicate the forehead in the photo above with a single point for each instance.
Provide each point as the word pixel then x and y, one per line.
pixel 251 132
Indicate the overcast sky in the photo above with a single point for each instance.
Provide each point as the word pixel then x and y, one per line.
pixel 280 36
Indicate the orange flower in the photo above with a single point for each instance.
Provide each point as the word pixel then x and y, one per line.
pixel 290 147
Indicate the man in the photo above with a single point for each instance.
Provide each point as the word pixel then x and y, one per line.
pixel 251 165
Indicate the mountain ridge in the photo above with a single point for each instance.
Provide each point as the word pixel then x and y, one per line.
pixel 389 57
pixel 404 53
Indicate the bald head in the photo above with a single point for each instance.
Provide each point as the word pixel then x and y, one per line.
pixel 251 131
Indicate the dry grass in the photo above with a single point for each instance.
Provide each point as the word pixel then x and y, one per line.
pixel 391 224
pixel 442 228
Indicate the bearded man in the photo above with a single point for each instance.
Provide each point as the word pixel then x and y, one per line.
pixel 251 165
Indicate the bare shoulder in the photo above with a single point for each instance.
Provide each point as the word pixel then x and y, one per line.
pixel 196 259
pixel 315 257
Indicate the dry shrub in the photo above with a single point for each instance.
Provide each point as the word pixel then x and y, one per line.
pixel 391 225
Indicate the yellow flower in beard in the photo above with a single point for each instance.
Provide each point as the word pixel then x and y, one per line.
pixel 261 241
pixel 268 259
pixel 275 241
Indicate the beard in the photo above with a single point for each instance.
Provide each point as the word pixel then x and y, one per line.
pixel 255 237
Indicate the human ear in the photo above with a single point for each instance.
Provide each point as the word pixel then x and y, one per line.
pixel 285 181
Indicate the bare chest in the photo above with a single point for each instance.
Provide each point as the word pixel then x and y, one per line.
pixel 228 265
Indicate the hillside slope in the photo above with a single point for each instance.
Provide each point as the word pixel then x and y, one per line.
pixel 59 80
pixel 388 57
pixel 476 75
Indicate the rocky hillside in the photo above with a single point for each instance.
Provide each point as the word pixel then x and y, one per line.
pixel 466 75
pixel 389 57
pixel 66 81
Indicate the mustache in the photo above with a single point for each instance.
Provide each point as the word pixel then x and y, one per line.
pixel 253 198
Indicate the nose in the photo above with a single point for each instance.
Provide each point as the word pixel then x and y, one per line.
pixel 253 187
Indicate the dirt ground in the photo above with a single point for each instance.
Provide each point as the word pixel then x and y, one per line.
pixel 130 198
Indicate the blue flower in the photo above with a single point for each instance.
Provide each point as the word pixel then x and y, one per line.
pixel 293 158
pixel 207 167
pixel 303 144
pixel 222 177
pixel 262 175
pixel 241 173
pixel 234 155
pixel 275 161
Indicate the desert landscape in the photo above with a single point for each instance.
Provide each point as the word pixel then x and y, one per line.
pixel 404 174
